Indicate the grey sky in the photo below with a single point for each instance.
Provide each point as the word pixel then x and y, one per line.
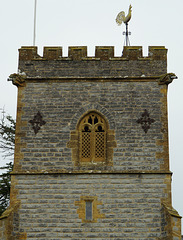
pixel 92 23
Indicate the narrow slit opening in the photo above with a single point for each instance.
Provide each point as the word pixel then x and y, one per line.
pixel 89 210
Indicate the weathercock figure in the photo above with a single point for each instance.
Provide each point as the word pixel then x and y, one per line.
pixel 122 18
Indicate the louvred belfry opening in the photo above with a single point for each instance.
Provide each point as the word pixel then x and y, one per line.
pixel 92 138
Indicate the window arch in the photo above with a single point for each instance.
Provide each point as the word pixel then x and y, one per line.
pixel 92 142
pixel 92 138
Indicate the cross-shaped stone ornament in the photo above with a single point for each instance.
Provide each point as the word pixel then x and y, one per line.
pixel 37 122
pixel 145 121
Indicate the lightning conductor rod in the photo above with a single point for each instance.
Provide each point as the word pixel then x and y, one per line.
pixel 34 35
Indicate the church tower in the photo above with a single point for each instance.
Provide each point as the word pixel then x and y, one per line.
pixel 91 150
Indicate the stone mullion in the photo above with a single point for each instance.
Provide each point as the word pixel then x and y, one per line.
pixel 92 145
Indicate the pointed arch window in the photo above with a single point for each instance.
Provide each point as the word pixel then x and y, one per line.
pixel 92 138
pixel 92 142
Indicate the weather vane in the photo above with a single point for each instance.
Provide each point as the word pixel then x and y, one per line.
pixel 121 18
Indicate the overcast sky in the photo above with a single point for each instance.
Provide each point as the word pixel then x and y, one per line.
pixel 92 23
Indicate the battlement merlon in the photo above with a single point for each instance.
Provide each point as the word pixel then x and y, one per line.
pixel 104 63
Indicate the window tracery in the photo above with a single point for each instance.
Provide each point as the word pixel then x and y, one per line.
pixel 93 141
pixel 92 131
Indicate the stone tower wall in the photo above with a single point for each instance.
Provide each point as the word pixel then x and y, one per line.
pixel 131 193
pixel 61 105
pixel 62 89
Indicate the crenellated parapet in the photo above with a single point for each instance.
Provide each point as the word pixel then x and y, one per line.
pixel 101 52
pixel 103 64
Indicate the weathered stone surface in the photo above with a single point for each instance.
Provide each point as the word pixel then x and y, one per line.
pixel 59 103
pixel 132 193
pixel 104 64
pixel 130 204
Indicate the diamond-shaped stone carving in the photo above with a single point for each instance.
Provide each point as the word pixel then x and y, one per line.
pixel 145 121
pixel 37 122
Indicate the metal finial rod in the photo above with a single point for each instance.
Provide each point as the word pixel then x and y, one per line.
pixel 127 33
pixel 34 35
